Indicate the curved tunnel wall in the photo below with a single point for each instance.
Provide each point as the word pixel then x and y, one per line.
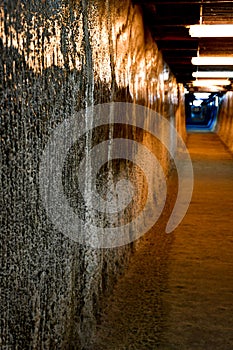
pixel 224 126
pixel 57 58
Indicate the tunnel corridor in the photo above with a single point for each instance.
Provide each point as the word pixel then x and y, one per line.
pixel 202 110
pixel 116 175
pixel 177 292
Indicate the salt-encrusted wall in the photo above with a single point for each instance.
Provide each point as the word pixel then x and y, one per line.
pixel 58 57
pixel 224 126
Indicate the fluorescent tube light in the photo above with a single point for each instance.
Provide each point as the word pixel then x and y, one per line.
pixel 217 74
pixel 212 61
pixel 201 95
pixel 211 30
pixel 197 103
pixel 210 82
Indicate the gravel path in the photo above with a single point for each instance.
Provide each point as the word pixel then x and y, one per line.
pixel 177 293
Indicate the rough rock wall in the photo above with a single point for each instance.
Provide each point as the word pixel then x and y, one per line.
pixel 58 57
pixel 224 126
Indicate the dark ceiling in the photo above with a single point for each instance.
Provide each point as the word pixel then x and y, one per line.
pixel 167 21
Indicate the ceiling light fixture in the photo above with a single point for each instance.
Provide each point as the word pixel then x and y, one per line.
pixel 211 82
pixel 217 74
pixel 201 95
pixel 211 30
pixel 212 61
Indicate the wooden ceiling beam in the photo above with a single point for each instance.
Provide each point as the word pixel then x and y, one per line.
pixel 173 38
pixel 187 2
pixel 168 24
pixel 183 49
pixel 178 62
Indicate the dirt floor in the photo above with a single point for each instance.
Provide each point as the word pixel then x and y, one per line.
pixel 177 293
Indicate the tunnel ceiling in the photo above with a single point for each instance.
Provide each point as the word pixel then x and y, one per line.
pixel 168 21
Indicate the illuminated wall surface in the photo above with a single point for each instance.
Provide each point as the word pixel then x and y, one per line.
pixel 58 57
pixel 225 120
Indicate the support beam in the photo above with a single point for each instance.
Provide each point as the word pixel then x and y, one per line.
pixel 173 38
pixel 196 2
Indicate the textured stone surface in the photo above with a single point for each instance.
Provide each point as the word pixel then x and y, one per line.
pixel 225 120
pixel 58 57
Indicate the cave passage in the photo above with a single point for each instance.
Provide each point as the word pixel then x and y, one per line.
pixel 202 110
pixel 78 160
pixel 178 290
